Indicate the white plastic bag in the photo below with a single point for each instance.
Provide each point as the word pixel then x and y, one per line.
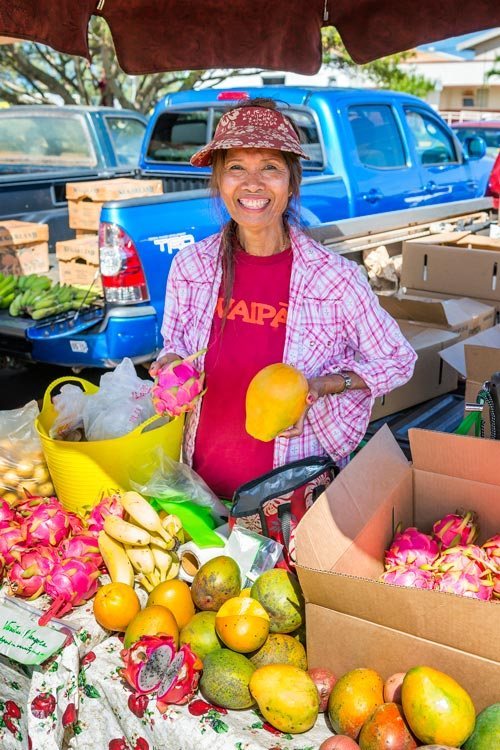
pixel 69 405
pixel 121 404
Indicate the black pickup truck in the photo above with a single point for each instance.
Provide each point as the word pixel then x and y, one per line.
pixel 44 147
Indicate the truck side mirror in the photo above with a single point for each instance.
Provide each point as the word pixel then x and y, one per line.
pixel 474 147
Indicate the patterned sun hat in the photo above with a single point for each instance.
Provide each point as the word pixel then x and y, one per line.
pixel 250 127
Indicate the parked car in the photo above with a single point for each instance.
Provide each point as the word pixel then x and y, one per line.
pixel 489 130
pixel 371 152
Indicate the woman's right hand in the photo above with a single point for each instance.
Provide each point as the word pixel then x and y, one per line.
pixel 163 361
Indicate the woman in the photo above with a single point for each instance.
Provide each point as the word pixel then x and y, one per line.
pixel 261 292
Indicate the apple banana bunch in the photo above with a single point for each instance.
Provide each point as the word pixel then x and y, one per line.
pixel 142 544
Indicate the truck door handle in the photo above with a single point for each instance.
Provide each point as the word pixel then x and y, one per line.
pixel 471 184
pixel 431 187
pixel 372 196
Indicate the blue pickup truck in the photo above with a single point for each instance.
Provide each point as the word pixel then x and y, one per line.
pixel 370 153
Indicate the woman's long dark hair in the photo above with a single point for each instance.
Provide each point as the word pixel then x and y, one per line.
pixel 229 235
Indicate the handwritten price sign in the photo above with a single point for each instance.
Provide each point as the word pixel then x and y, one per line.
pixel 23 640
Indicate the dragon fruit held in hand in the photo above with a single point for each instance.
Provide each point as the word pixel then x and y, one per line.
pixel 465 583
pixel 70 583
pixel 179 385
pixel 456 528
pixel 411 547
pixel 153 664
pixel 27 575
pixel 416 578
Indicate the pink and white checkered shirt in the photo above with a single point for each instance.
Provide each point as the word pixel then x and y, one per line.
pixel 334 323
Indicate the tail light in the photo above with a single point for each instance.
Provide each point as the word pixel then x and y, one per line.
pixel 123 278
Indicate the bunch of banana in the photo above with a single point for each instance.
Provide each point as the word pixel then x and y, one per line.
pixel 143 543
pixel 40 300
pixel 29 289
pixel 8 290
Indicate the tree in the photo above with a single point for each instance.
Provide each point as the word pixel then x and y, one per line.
pixel 385 73
pixel 35 74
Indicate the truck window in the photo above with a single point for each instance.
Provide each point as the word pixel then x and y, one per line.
pixel 178 135
pixel 377 137
pixel 433 144
pixel 45 140
pixel 127 134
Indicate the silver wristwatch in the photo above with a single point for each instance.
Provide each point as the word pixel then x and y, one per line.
pixel 347 382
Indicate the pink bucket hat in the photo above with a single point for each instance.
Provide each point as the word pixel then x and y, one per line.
pixel 250 127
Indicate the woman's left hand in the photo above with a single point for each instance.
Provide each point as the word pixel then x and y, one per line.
pixel 313 395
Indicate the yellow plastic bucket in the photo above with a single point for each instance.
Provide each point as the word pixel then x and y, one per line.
pixel 83 473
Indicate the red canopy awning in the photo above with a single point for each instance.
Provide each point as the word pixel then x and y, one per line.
pixel 163 35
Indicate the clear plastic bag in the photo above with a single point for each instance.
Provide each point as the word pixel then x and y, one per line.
pixel 163 478
pixel 254 553
pixel 69 405
pixel 22 463
pixel 122 402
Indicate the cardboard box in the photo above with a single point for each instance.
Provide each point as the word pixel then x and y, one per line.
pixel 355 642
pixel 431 377
pixel 476 359
pixel 24 248
pixel 341 540
pixel 441 295
pixel 434 264
pixel 78 261
pixel 463 315
pixel 85 199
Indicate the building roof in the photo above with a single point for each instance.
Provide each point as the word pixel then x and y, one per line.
pixel 483 42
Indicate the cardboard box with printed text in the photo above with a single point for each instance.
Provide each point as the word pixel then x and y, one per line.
pixel 24 248
pixel 340 545
pixel 85 199
pixel 78 261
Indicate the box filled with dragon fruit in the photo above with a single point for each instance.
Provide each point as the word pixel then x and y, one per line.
pixel 412 547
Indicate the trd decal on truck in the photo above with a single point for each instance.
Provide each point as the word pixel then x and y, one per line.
pixel 172 243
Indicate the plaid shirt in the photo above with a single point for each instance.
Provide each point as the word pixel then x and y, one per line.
pixel 334 323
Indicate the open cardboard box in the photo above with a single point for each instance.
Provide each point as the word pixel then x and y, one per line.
pixel 431 377
pixel 442 295
pixel 340 545
pixel 438 264
pixel 85 199
pixel 78 261
pixel 463 315
pixel 24 247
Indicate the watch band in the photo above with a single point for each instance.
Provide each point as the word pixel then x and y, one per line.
pixel 347 382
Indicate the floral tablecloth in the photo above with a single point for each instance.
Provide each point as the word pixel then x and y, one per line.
pixel 78 701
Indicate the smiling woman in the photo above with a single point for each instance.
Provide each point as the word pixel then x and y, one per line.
pixel 262 292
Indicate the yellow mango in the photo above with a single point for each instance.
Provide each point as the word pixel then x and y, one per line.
pixel 287 697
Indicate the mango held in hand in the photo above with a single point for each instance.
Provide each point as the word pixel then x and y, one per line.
pixel 287 697
pixel 276 398
pixel 436 707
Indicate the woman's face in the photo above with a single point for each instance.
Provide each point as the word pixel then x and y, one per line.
pixel 255 187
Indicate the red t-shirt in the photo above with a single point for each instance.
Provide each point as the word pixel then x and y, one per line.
pixel 253 337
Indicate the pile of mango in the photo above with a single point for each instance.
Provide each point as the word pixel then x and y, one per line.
pixel 37 297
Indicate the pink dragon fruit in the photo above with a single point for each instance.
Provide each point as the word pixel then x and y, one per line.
pixel 12 539
pixel 492 549
pixel 147 661
pixel 69 584
pixel 76 524
pixel 7 514
pixel 411 547
pixel 179 385
pixel 81 547
pixel 416 578
pixel 27 576
pixel 47 524
pixel 468 557
pixel 465 583
pixel 181 679
pixel 456 528
pixel 109 506
pixel 496 586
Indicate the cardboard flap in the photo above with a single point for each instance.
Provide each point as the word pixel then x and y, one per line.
pixel 455 355
pixel 421 337
pixel 481 362
pixel 483 242
pixel 340 513
pixel 461 456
